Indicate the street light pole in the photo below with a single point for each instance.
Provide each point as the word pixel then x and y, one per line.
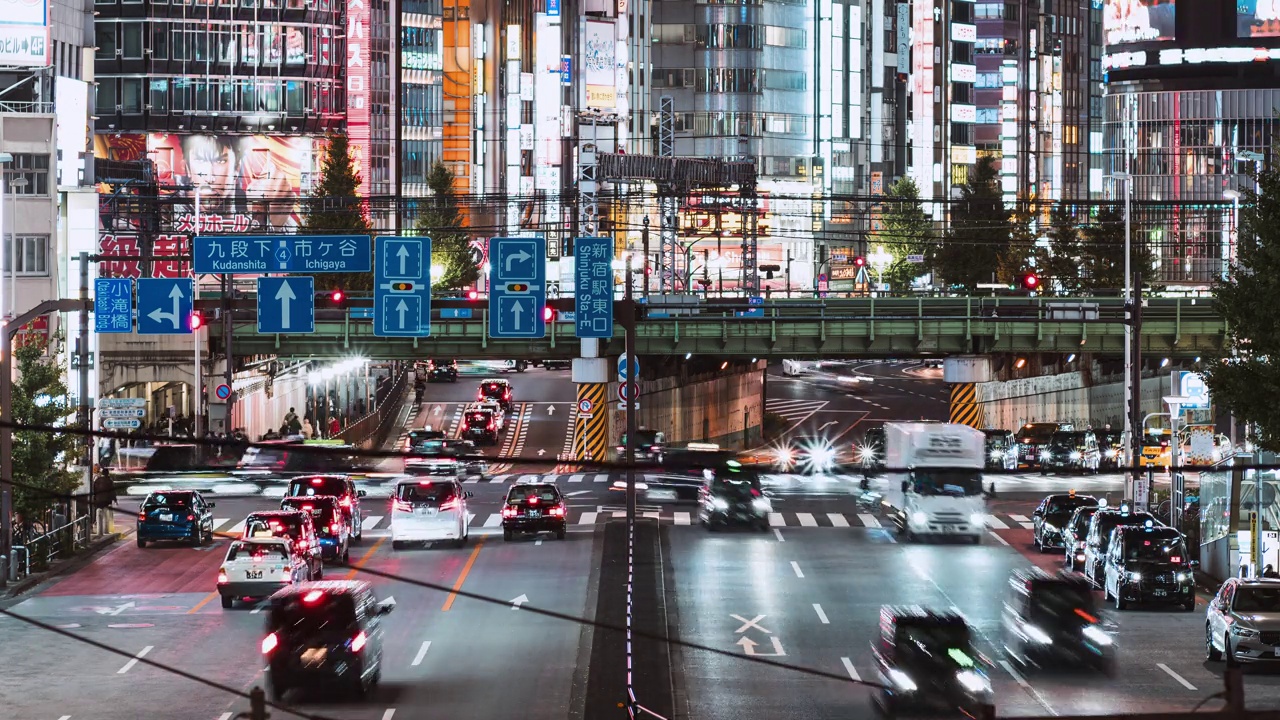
pixel 198 383
pixel 1132 390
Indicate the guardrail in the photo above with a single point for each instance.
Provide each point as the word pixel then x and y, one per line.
pixel 372 429
pixel 43 549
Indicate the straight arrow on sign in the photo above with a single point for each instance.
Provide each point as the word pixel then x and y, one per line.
pixel 517 307
pixel 402 308
pixel 403 254
pixel 285 295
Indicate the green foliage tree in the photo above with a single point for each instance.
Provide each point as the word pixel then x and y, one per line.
pixel 1244 378
pixel 1102 253
pixel 1059 263
pixel 335 208
pixel 40 458
pixel 441 220
pixel 908 230
pixel 1022 243
pixel 978 242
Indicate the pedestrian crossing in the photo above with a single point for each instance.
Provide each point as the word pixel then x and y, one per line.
pixel 794 411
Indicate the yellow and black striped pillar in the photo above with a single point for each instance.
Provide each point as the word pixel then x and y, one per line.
pixel 591 430
pixel 965 408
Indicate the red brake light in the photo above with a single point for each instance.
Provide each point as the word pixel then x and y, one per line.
pixel 506 395
pixel 403 506
pixel 190 518
pixel 533 500
pixel 222 578
pixel 357 642
pixel 313 596
pixel 472 294
pixel 317 481
pixel 302 544
pixel 425 483
pixel 142 516
pixel 345 502
pixel 558 511
pixel 306 507
pixel 335 528
pixel 269 643
pixel 509 511
pixel 453 504
pixel 1175 558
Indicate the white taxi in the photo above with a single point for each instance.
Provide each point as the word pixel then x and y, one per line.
pixel 427 510
pixel 257 567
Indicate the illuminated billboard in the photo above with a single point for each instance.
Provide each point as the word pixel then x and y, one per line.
pixel 359 85
pixel 598 64
pixel 1257 18
pixel 24 33
pixel 1138 21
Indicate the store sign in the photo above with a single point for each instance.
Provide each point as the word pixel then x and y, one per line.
pixel 359 80
pixel 418 60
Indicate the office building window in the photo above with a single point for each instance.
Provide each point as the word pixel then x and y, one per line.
pixel 32 254
pixel 28 174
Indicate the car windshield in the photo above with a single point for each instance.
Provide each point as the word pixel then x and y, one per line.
pixel 923 644
pixel 533 494
pixel 176 500
pixel 874 436
pixel 1068 439
pixel 1057 600
pixel 318 510
pixel 1037 433
pixel 947 482
pixel 1154 549
pixel 256 551
pixel 318 486
pixel 1080 520
pixel 644 438
pixel 1111 521
pixel 173 458
pixel 314 611
pixel 1256 599
pixel 1108 438
pixel 420 436
pixel 493 389
pixel 272 526
pixel 997 440
pixel 429 494
pixel 1062 506
pixel 430 447
pixel 738 489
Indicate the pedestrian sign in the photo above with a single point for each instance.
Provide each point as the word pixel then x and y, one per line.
pixel 402 287
pixel 164 306
pixel 286 305
pixel 593 287
pixel 517 287
pixel 113 305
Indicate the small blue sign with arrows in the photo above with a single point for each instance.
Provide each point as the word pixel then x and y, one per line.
pixel 286 304
pixel 402 287
pixel 164 306
pixel 517 287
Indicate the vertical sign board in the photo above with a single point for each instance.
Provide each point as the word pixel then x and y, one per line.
pixel 359 86
pixel 113 305
pixel 164 306
pixel 593 287
pixel 286 305
pixel 402 287
pixel 517 287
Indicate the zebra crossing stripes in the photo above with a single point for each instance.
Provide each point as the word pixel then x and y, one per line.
pixel 794 411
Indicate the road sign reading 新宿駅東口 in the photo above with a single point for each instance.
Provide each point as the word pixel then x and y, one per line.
pixel 287 304
pixel 253 254
pixel 593 287
pixel 113 305
pixel 517 287
pixel 402 287
pixel 164 306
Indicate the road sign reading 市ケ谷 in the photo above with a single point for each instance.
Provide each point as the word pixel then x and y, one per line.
pixel 254 254
pixel 164 306
pixel 402 287
pixel 593 287
pixel 286 304
pixel 113 305
pixel 517 287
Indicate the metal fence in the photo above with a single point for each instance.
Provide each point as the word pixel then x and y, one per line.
pixel 372 429
pixel 40 550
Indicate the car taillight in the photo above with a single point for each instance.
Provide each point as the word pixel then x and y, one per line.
pixel 403 506
pixel 506 395
pixel 269 643
pixel 222 576
pixel 509 511
pixel 302 544
pixel 345 502
pixel 453 504
pixel 334 528
pixel 190 518
pixel 357 642
pixel 558 511
pixel 142 516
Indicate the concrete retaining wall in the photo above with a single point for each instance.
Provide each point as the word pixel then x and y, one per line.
pixel 711 407
pixel 1063 398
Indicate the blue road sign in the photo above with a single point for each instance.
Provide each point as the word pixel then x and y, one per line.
pixel 455 313
pixel 402 287
pixel 255 254
pixel 593 287
pixel 286 304
pixel 628 368
pixel 517 287
pixel 164 306
pixel 757 309
pixel 113 305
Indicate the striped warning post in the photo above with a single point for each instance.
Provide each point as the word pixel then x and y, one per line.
pixel 591 428
pixel 965 408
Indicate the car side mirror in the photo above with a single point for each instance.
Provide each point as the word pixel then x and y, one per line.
pixel 386 606
pixel 361 493
pixel 468 494
pixel 1037 514
pixel 1194 564
pixel 211 505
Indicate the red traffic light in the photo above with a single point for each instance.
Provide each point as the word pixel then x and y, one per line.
pixel 548 314
pixel 337 296
pixel 472 295
pixel 860 261
pixel 197 321
pixel 1030 281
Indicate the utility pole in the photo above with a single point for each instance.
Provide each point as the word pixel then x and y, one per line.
pixel 644 248
pixel 1135 379
pixel 82 353
pixel 198 381
pixel 227 287
pixel 633 386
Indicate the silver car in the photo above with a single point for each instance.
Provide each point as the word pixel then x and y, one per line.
pixel 1243 621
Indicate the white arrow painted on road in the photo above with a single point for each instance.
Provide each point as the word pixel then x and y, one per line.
pixel 116 610
pixel 438 409
pixel 402 308
pixel 176 295
pixel 541 452
pixel 551 409
pixel 520 255
pixel 517 307
pixel 403 254
pixel 285 295
pixel 749 647
pixel 517 602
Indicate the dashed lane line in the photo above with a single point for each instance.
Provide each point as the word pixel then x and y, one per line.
pixel 849 668
pixel 1181 680
pixel 134 660
pixel 422 653
pixel 822 616
pixel 795 566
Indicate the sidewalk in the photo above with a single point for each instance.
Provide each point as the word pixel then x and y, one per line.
pixel 63 566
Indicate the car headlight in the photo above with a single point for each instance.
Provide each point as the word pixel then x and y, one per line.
pixel 1183 577
pixel 784 457
pixel 1241 631
pixel 719 503
pixel 866 453
pixel 1075 455
pixel 1097 636
pixel 1133 576
pixel 919 518
pixel 973 681
pixel 996 454
pixel 1112 453
pixel 1045 455
pixel 822 458
pixel 762 505
pixel 1037 634
pixel 977 519
pixel 901 680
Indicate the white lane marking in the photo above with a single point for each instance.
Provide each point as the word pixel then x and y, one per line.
pixel 796 566
pixel 422 652
pixel 849 668
pixel 869 520
pixel 493 521
pixel 600 478
pixel 576 478
pixel 588 518
pixel 576 493
pixel 822 617
pixel 806 519
pixel 683 518
pixel 370 522
pixel 837 520
pixel 219 522
pixel 223 716
pixel 1181 680
pixel 1022 682
pixel 538 541
pixel 778 534
pixel 888 535
pixel 471 517
pixel 529 478
pixel 388 714
pixel 996 523
pixel 651 514
pixel 258 608
pixel 619 514
pixel 1019 518
pixel 68 717
pixel 134 661
pixel 776 520
pixel 236 529
pixel 999 539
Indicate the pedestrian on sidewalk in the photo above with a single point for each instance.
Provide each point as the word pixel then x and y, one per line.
pixel 292 422
pixel 335 427
pixel 104 497
pixel 306 429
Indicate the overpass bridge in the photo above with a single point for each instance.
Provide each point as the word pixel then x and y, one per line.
pixel 791 328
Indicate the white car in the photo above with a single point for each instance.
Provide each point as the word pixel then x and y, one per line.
pixel 429 510
pixel 498 412
pixel 258 567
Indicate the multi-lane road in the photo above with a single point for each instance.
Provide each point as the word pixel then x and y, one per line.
pixel 808 593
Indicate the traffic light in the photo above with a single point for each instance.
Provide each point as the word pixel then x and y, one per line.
pixel 473 295
pixel 769 270
pixel 860 261
pixel 197 321
pixel 548 314
pixel 1030 282
pixel 336 296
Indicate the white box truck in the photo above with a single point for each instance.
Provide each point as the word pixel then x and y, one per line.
pixel 935 475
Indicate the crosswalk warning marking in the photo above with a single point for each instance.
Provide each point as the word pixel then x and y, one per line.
pixel 219 522
pixel 493 521
pixel 237 528
pixel 806 519
pixel 837 520
pixel 996 523
pixel 370 522
pixel 682 518
pixel 869 520
pixel 576 478
pixel 588 518
pixel 776 520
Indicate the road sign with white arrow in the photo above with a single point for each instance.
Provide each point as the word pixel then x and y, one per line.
pixel 164 306
pixel 286 304
pixel 402 287
pixel 517 287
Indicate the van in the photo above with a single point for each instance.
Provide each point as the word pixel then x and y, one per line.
pixel 429 509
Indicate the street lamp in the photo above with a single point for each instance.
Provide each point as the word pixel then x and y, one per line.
pixel 1129 389
pixel 880 259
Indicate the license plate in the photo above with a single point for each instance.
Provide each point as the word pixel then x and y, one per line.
pixel 314 656
pixel 1158 593
pixel 534 513
pixel 166 517
pixel 253 574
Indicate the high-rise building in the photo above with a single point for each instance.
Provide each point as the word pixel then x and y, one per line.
pixel 420 131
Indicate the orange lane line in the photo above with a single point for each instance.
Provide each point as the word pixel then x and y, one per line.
pixel 462 577
pixel 364 559
pixel 203 602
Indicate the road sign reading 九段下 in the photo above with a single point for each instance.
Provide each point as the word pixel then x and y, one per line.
pixel 593 287
pixel 254 254
pixel 517 287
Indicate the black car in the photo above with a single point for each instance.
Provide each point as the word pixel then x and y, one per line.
pixel 534 508
pixel 333 529
pixel 341 487
pixel 496 389
pixel 925 660
pixel 309 456
pixel 1049 521
pixel 1001 450
pixel 733 496
pixel 650 446
pixel 442 371
pixel 415 438
pixel 1053 622
pixel 1097 542
pixel 324 635
pixel 1149 564
pixel 177 515
pixel 1111 449
pixel 1073 536
pixel 480 425
pixel 1033 441
pixel 1071 451
pixel 811 455
pixel 293 524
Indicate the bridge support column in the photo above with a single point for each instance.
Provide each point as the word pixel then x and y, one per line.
pixel 963 373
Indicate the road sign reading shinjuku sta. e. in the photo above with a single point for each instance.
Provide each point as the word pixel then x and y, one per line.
pixel 287 304
pixel 593 287
pixel 113 305
pixel 254 254
pixel 402 287
pixel 517 287
pixel 164 306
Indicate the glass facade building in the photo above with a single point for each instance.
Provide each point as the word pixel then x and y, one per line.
pixel 421 93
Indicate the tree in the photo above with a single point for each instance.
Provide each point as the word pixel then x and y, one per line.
pixel 1102 253
pixel 1022 243
pixel 1059 263
pixel 40 457
pixel 908 230
pixel 978 242
pixel 335 208
pixel 442 221
pixel 1244 378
